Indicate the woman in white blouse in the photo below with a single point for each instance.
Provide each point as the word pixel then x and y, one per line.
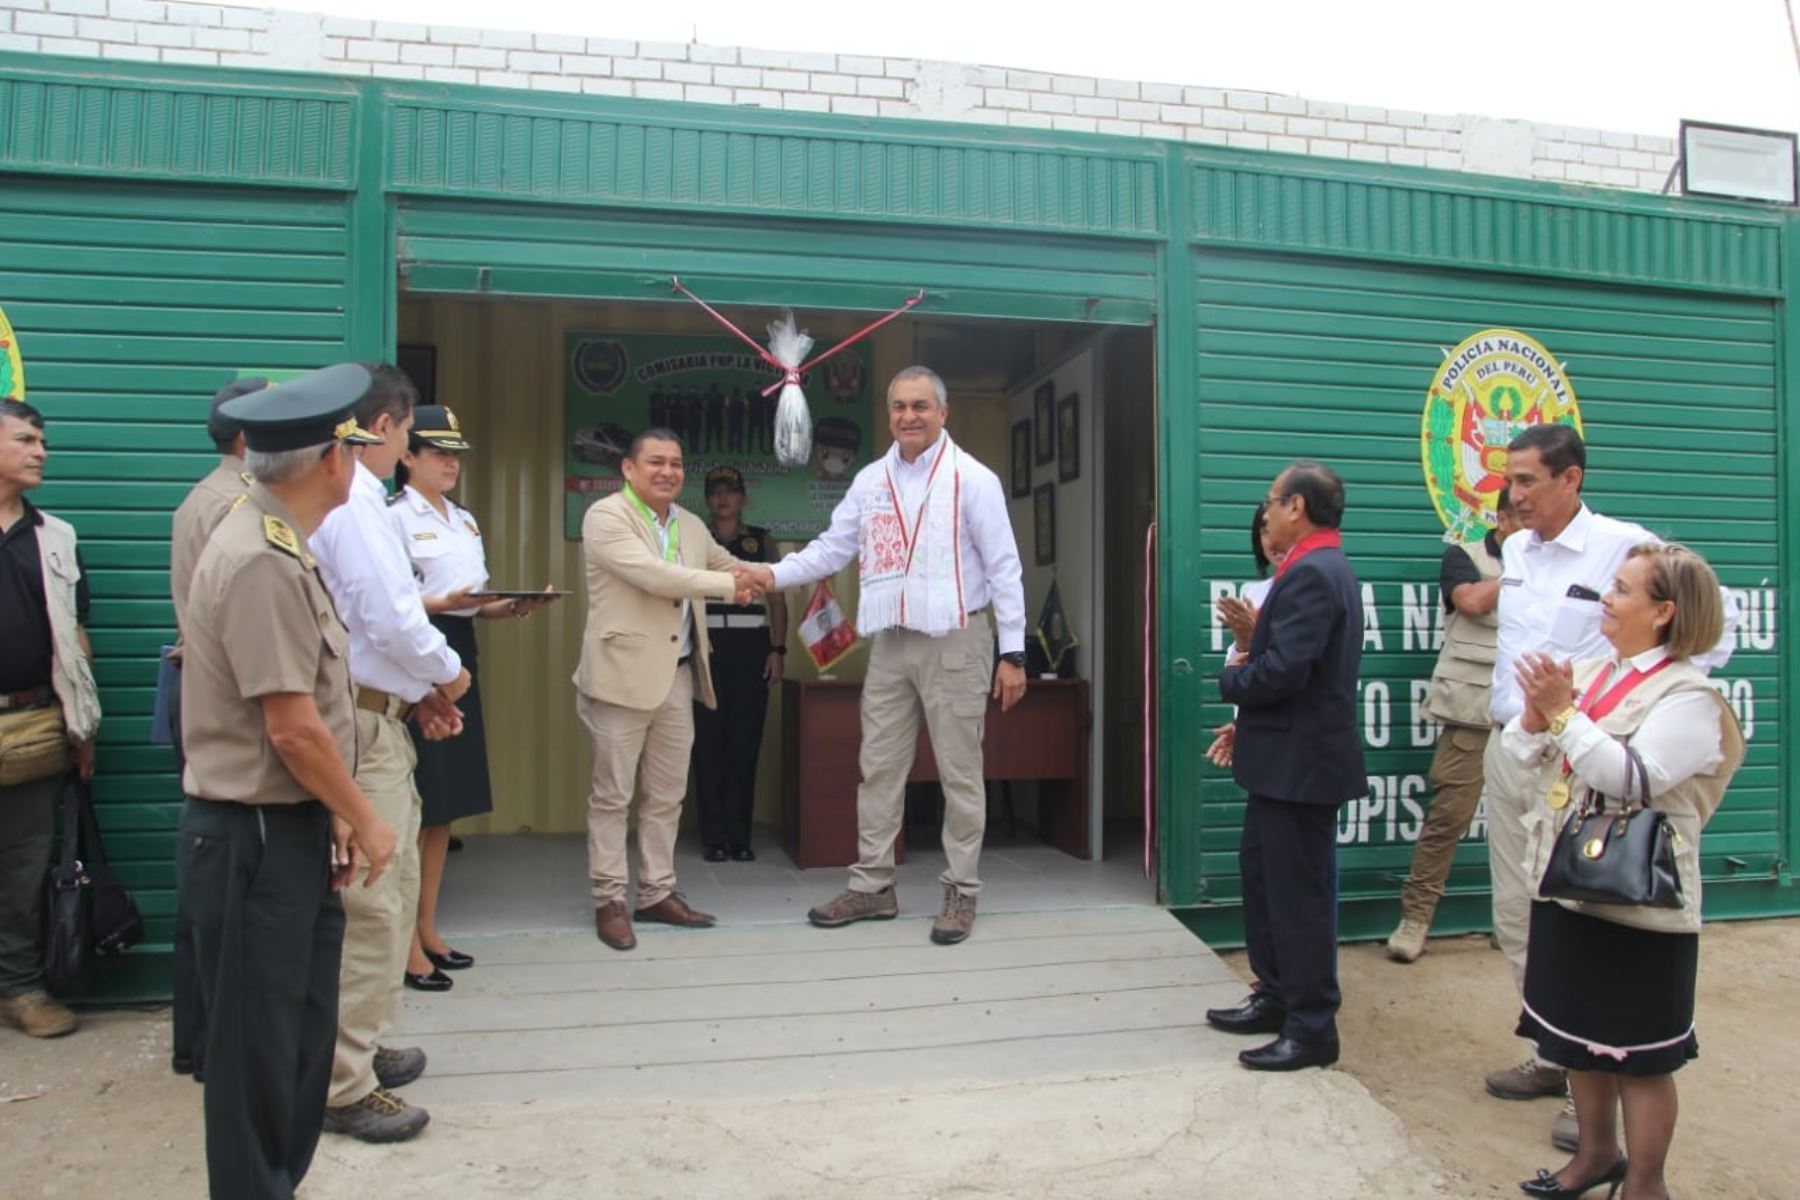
pixel 1609 989
pixel 444 543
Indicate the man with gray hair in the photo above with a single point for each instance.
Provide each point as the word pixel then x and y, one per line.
pixel 930 528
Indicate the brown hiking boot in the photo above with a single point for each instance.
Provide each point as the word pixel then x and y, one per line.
pixel 37 1014
pixel 1565 1131
pixel 379 1116
pixel 958 917
pixel 1529 1080
pixel 397 1068
pixel 613 925
pixel 848 906
pixel 1407 943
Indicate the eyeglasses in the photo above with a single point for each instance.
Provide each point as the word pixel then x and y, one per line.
pixel 1272 500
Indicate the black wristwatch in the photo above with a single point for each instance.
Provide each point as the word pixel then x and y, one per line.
pixel 781 650
pixel 1014 658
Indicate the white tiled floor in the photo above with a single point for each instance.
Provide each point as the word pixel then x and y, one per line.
pixel 537 883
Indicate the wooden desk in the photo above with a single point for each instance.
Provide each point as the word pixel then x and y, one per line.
pixel 1044 738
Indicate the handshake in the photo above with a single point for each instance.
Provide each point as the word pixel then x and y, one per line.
pixel 753 580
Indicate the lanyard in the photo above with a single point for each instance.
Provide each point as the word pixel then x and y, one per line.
pixel 1596 709
pixel 670 534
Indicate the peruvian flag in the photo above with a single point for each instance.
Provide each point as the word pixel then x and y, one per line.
pixel 828 634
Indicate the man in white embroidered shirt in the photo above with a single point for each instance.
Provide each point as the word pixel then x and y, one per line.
pixel 399 663
pixel 1552 577
pixel 930 528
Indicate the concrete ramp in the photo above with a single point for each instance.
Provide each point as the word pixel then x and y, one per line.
pixel 793 1010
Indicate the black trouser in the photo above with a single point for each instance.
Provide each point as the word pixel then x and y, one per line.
pixel 267 932
pixel 728 739
pixel 1288 863
pixel 187 1014
pixel 27 841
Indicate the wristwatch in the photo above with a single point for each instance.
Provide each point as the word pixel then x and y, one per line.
pixel 1560 721
pixel 1014 658
pixel 781 650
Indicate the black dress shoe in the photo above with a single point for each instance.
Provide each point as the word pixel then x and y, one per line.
pixel 1263 1012
pixel 742 854
pixel 717 854
pixel 451 960
pixel 437 981
pixel 1285 1054
pixel 1545 1183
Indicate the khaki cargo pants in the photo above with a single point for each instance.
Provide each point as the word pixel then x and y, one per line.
pixel 1456 793
pixel 379 920
pixel 947 680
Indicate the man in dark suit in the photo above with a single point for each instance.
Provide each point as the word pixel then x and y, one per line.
pixel 1295 748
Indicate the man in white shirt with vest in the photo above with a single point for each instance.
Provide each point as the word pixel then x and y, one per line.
pixel 1553 575
pixel 399 662
pixel 931 530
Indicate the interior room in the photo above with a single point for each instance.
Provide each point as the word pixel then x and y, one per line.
pixel 1063 413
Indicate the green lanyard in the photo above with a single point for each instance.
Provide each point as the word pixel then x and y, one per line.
pixel 671 538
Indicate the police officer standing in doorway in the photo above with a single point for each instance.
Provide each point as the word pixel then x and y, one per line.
pixel 749 642
pixel 274 823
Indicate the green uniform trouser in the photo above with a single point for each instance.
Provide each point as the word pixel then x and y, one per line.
pixel 267 931
pixel 1456 792
pixel 27 837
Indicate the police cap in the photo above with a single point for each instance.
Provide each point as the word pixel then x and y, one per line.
pixel 838 433
pixel 436 426
pixel 307 410
pixel 219 427
pixel 729 477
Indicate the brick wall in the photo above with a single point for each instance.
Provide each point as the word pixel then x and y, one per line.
pixel 171 32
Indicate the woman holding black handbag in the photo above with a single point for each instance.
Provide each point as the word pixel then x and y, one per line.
pixel 1609 987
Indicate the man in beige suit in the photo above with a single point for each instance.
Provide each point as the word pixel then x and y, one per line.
pixel 643 664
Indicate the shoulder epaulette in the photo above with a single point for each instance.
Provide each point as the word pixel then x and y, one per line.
pixel 238 503
pixel 282 536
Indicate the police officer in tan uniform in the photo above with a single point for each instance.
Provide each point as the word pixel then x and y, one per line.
pixel 220 490
pixel 274 823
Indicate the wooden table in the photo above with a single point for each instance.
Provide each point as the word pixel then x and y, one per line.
pixel 1044 738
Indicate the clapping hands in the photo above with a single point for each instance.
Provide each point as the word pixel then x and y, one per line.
pixel 1237 615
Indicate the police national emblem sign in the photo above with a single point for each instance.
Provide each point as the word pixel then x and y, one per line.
pixel 1492 386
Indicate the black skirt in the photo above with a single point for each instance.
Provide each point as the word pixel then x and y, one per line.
pixel 453 774
pixel 1594 985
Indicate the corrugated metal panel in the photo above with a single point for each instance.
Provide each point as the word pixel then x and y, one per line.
pixel 1579 233
pixel 51 122
pixel 1306 357
pixel 132 306
pixel 692 157
pixel 501 249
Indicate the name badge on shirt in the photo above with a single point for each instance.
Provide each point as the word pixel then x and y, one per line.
pixel 424 536
pixel 1509 581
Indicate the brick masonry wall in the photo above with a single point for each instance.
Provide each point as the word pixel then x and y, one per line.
pixel 858 85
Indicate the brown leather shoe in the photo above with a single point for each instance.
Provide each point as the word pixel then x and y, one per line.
pixel 37 1014
pixel 673 910
pixel 614 926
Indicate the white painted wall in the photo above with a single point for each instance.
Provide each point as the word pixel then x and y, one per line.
pixel 217 35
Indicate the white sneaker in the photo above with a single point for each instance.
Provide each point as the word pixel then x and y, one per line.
pixel 1407 943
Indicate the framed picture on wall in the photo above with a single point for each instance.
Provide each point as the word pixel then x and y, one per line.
pixel 1044 508
pixel 1021 459
pixel 420 365
pixel 1068 438
pixel 1044 411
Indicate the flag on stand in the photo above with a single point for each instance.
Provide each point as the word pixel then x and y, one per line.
pixel 1054 636
pixel 828 634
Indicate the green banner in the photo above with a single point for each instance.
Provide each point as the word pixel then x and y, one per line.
pixel 709 390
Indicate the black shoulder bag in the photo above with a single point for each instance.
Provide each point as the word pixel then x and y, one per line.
pixel 87 912
pixel 1626 856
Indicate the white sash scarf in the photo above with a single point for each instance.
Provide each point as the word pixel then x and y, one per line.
pixel 911 559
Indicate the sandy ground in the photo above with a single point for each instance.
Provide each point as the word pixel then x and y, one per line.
pixel 104 1116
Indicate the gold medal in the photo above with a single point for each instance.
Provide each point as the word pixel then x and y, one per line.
pixel 1558 799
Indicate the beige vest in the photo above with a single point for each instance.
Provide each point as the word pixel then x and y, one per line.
pixel 70 672
pixel 1464 675
pixel 1689 804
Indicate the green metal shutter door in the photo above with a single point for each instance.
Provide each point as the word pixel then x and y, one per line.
pixel 132 306
pixel 466 247
pixel 1320 358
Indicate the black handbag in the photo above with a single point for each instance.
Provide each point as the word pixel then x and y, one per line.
pixel 1626 856
pixel 87 911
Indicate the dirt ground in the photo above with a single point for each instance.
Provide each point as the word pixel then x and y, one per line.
pixel 1421 1037
pixel 100 1113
